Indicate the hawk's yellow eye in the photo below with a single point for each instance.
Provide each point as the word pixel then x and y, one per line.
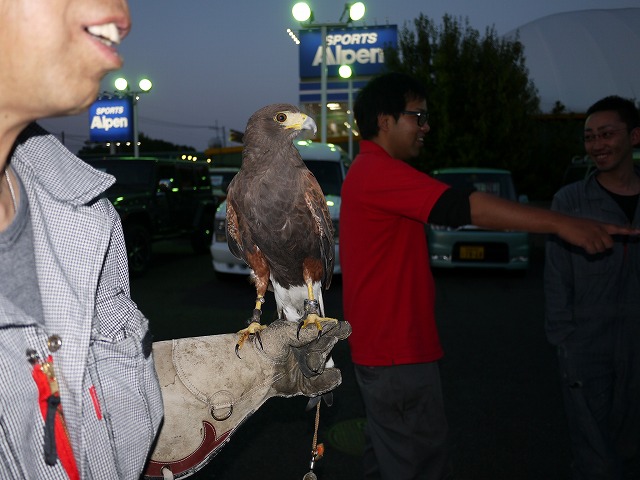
pixel 281 117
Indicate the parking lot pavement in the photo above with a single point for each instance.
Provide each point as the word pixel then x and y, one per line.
pixel 499 376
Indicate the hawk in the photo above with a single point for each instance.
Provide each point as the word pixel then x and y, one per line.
pixel 278 221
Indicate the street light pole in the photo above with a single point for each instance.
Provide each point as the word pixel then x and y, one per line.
pixel 134 104
pixel 303 13
pixel 346 71
pixel 145 85
pixel 350 101
pixel 323 85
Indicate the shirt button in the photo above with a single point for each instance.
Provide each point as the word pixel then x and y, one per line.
pixel 54 342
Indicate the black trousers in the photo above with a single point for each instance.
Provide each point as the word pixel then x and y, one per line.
pixel 406 434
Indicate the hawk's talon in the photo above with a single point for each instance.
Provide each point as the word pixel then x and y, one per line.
pixel 300 324
pixel 317 320
pixel 253 329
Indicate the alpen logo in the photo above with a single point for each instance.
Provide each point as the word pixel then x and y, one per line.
pixel 361 48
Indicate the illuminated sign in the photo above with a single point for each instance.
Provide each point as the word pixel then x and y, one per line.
pixel 362 48
pixel 111 120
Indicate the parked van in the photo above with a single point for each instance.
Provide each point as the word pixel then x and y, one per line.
pixel 220 179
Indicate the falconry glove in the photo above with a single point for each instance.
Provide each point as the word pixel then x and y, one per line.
pixel 208 391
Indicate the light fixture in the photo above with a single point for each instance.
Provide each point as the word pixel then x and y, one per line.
pixel 356 11
pixel 345 71
pixel 302 12
pixel 145 84
pixel 293 36
pixel 121 84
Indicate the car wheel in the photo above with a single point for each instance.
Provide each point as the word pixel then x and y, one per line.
pixel 138 240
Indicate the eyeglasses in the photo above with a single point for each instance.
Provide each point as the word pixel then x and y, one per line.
pixel 421 116
pixel 606 135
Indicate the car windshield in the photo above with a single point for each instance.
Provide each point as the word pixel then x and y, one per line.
pixel 219 179
pixel 328 174
pixel 130 175
pixel 495 183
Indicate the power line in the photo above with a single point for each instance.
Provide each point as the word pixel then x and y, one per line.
pixel 80 139
pixel 166 123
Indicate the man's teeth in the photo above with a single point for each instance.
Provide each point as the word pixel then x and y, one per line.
pixel 107 33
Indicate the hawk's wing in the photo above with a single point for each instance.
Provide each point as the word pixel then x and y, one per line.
pixel 317 204
pixel 234 239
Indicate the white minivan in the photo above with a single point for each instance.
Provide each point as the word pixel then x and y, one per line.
pixel 329 164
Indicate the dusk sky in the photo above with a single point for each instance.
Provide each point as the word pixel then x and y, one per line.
pixel 214 63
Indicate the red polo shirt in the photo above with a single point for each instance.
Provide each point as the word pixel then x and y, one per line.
pixel 388 288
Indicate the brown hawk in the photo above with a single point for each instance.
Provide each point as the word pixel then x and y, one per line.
pixel 278 221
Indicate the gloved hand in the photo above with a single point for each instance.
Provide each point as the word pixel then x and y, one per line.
pixel 208 391
pixel 302 370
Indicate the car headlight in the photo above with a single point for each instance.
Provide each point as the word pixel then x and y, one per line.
pixel 220 231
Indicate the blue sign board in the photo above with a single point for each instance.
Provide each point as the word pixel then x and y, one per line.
pixel 337 91
pixel 111 120
pixel 362 48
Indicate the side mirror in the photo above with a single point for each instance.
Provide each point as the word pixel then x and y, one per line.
pixel 164 185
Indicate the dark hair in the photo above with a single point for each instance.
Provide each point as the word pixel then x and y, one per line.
pixel 625 109
pixel 387 94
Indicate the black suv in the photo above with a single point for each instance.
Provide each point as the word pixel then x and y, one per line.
pixel 157 199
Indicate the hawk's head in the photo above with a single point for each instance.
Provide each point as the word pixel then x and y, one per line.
pixel 279 121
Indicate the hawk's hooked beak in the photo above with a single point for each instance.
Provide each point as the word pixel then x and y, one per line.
pixel 300 121
pixel 309 124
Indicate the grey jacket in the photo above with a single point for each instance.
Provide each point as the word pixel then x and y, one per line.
pixel 588 294
pixel 108 386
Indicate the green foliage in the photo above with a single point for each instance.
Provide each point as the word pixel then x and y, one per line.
pixel 482 104
pixel 560 139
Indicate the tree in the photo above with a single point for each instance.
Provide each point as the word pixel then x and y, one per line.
pixel 480 99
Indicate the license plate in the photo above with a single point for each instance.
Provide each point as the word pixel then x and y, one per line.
pixel 471 252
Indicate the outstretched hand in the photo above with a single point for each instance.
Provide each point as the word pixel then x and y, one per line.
pixel 594 237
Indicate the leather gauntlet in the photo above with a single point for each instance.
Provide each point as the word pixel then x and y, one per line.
pixel 208 391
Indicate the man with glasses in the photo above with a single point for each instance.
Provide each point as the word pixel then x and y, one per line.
pixel 593 302
pixel 387 285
